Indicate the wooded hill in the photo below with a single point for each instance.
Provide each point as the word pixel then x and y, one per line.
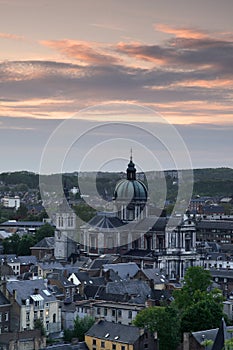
pixel 207 182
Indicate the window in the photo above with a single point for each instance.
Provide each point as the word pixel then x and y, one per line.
pixel 98 311
pixel 27 316
pixel 119 313
pixel 105 311
pixel 102 344
pixel 113 346
pixel 113 313
pixel 145 346
pixel 130 314
pixel 122 347
pixel 54 318
pixel 93 341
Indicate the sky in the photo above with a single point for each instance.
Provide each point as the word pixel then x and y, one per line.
pixel 143 63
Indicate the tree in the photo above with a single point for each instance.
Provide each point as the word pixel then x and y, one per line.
pixel 38 324
pixel 164 320
pixel 200 309
pixel 44 231
pixel 196 282
pixel 205 314
pixel 10 245
pixel 24 245
pixel 81 326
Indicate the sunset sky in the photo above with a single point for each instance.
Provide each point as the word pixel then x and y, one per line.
pixel 58 57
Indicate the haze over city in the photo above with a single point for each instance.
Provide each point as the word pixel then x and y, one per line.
pixel 59 57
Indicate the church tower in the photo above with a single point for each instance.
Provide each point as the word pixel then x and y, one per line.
pixel 130 196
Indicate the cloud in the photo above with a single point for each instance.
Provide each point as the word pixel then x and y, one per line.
pixel 11 36
pixel 186 77
pixel 86 52
pixel 181 32
pixel 184 53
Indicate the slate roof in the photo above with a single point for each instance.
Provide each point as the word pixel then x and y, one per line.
pixel 27 260
pixel 9 258
pixel 155 275
pixel 99 262
pixel 79 346
pixel 221 337
pixel 140 253
pixel 26 288
pixel 105 222
pixel 124 270
pixel 3 300
pixel 126 334
pixel 47 242
pixel 215 224
pixel 135 288
pixel 12 223
pixel 50 265
pixel 209 334
pixel 99 293
pixel 222 273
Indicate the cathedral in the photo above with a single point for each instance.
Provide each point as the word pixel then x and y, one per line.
pixel 130 231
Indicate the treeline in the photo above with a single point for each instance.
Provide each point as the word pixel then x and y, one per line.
pixel 207 182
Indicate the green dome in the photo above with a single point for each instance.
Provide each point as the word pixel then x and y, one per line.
pixel 130 190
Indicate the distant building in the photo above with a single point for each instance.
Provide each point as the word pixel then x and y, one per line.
pixel 11 202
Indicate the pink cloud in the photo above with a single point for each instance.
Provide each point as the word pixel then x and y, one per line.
pixel 187 33
pixel 11 36
pixel 85 52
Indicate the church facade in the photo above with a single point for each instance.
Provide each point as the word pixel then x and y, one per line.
pixel 135 235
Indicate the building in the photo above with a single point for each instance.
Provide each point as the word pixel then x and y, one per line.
pixel 66 231
pixel 4 314
pixel 115 336
pixel 130 228
pixel 31 300
pixel 123 313
pixel 11 202
pixel 220 231
pixel 43 249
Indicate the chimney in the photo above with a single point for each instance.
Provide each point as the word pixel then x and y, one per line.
pixel 14 294
pixel 141 331
pixel 186 341
pixel 36 291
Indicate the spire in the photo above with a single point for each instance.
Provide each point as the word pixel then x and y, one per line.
pixel 131 154
pixel 131 171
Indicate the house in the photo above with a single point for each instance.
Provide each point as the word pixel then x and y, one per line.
pixel 153 277
pixel 12 261
pixel 115 336
pixel 224 278
pixel 135 291
pixel 30 340
pixel 44 248
pixel 123 313
pixel 210 339
pixel 123 270
pixel 4 314
pixel 31 300
pixel 45 268
pixel 26 262
pixel 66 287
